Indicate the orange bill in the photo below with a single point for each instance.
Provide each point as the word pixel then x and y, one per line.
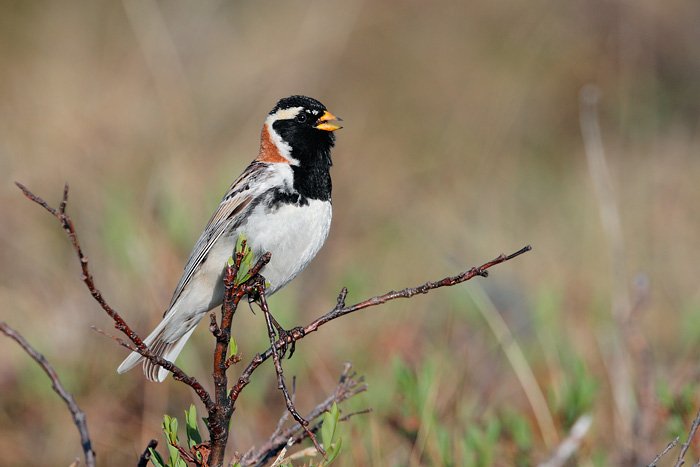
pixel 322 122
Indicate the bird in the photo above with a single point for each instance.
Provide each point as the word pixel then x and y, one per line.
pixel 281 203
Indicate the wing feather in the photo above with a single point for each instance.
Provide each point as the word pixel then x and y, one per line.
pixel 238 197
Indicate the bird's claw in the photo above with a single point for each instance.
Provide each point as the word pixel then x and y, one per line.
pixel 289 335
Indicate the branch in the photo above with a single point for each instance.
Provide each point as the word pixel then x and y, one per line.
pixel 670 446
pixel 347 387
pixel 342 310
pixel 686 445
pixel 146 456
pixel 280 378
pixel 271 447
pixel 119 323
pixel 221 409
pixel 78 415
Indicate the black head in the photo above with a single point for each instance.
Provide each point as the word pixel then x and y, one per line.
pixel 302 124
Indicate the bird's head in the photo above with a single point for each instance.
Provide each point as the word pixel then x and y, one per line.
pixel 298 131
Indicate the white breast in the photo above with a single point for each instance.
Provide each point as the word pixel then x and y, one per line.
pixel 293 234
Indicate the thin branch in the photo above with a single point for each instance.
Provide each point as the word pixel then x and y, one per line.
pixel 670 446
pixel 185 455
pixel 280 378
pixel 347 387
pixel 146 456
pixel 342 310
pixel 686 445
pixel 78 415
pixel 273 446
pixel 221 409
pixel 285 414
pixel 119 323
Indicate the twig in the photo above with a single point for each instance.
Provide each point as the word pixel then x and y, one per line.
pixel 347 387
pixel 119 323
pixel 342 310
pixel 686 445
pixel 78 415
pixel 221 408
pixel 185 455
pixel 670 446
pixel 280 378
pixel 285 413
pixel 146 456
pixel 220 416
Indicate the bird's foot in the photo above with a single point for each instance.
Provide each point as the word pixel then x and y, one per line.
pixel 290 336
pixel 287 337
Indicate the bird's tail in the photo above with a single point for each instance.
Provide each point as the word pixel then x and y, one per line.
pixel 167 350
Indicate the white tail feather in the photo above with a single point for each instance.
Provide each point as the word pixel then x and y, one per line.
pixel 168 351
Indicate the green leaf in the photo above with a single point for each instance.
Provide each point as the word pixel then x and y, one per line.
pixel 247 260
pixel 232 347
pixel 243 273
pixel 239 242
pixel 174 456
pixel 333 451
pixel 230 261
pixel 248 257
pixel 330 421
pixel 156 458
pixel 170 430
pixel 193 436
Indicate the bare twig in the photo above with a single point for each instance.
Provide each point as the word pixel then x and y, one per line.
pixel 219 417
pixel 272 446
pixel 670 446
pixel 285 414
pixel 119 323
pixel 280 378
pixel 686 445
pixel 220 409
pixel 342 310
pixel 347 387
pixel 78 415
pixel 146 456
pixel 283 452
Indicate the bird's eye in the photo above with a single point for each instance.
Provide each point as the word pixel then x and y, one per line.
pixel 301 118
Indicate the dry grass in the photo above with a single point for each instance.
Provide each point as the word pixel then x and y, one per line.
pixel 461 141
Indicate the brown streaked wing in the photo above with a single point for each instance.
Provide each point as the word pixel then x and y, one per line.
pixel 237 198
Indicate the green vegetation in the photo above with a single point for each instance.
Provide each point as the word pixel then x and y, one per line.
pixel 461 140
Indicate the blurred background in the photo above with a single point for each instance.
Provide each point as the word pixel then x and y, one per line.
pixel 462 140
